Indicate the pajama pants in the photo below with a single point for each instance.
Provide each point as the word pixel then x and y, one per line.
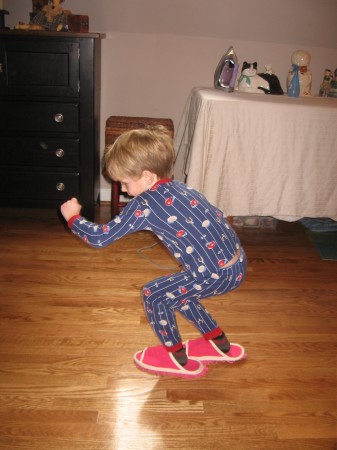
pixel 181 292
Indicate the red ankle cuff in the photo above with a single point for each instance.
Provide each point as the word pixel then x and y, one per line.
pixel 213 334
pixel 175 348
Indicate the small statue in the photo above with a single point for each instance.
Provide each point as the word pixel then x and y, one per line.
pixel 274 83
pixel 333 86
pixel 258 83
pixel 250 81
pixel 300 77
pixel 326 83
pixel 52 17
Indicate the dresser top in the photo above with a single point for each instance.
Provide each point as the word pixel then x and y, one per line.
pixel 65 34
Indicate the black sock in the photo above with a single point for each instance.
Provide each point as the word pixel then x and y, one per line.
pixel 222 342
pixel 180 356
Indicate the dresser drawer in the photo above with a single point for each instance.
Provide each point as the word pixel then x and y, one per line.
pixel 41 152
pixel 39 67
pixel 40 186
pixel 39 116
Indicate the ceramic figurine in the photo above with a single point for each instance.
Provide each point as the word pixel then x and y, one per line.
pixel 52 17
pixel 293 82
pixel 326 83
pixel 250 81
pixel 274 83
pixel 258 83
pixel 333 86
pixel 300 74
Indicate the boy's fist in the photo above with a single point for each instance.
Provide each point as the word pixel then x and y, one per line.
pixel 70 208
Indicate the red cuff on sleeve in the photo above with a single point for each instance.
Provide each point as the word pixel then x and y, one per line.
pixel 72 220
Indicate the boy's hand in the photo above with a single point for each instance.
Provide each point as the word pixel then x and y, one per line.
pixel 70 208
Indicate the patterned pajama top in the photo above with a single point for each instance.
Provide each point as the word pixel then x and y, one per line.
pixel 195 232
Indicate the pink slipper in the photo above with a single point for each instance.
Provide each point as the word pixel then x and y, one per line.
pixel 207 352
pixel 159 361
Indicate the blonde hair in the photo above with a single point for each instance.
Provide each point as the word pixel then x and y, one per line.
pixel 138 150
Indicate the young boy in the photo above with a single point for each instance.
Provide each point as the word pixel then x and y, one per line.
pixel 194 231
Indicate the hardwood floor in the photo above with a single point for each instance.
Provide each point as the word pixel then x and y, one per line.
pixel 71 319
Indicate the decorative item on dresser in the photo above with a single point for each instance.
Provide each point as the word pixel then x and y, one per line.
pixel 49 17
pixel 333 86
pixel 326 83
pixel 49 118
pixel 299 78
pixel 259 83
pixel 3 12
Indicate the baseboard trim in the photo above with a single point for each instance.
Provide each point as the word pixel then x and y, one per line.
pixel 105 195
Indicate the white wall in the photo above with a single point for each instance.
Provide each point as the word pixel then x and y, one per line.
pixel 155 51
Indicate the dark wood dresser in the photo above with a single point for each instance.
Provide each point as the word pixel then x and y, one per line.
pixel 49 119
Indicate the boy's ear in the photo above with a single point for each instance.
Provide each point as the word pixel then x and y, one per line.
pixel 149 176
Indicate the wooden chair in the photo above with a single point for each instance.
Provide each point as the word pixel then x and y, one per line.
pixel 115 126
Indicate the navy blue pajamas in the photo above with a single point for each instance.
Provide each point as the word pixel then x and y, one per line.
pixel 180 292
pixel 199 237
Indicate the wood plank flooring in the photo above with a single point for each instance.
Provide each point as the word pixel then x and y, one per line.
pixel 71 319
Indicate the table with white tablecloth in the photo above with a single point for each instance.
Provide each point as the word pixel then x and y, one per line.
pixel 260 155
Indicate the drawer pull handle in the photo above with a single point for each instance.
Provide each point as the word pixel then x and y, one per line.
pixel 60 186
pixel 59 152
pixel 59 118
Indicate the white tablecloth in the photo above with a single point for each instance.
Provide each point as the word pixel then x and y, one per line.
pixel 260 155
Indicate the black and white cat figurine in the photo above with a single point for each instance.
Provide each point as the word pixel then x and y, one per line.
pixel 259 83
